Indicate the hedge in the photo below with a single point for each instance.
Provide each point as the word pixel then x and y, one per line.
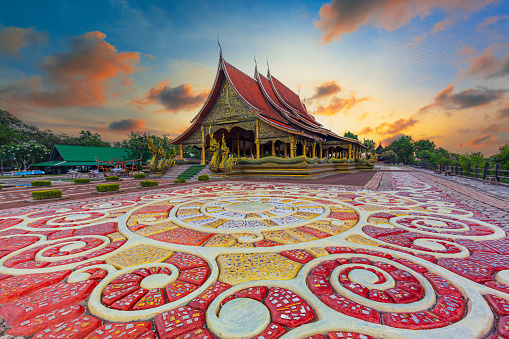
pixel 139 176
pixel 107 187
pixel 203 177
pixel 112 178
pixel 81 180
pixel 0 187
pixel 148 183
pixel 179 181
pixel 41 183
pixel 48 194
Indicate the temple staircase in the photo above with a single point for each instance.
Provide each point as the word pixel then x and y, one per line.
pixel 188 172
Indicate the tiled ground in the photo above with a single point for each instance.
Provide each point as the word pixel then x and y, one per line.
pixel 408 255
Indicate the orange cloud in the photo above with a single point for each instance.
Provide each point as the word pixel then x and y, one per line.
pixel 391 131
pixel 338 104
pixel 488 65
pixel 491 21
pixel 325 90
pixel 469 98
pixel 504 112
pixel 12 39
pixel 174 99
pixel 80 77
pixel 346 16
pixel 480 142
pixel 127 125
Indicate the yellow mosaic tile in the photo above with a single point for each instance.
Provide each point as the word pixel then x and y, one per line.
pixel 317 251
pixel 243 245
pixel 376 221
pixel 220 240
pixel 281 237
pixel 238 235
pixel 243 267
pixel 158 228
pixel 306 215
pixel 301 235
pixel 357 239
pixel 328 227
pixel 215 224
pixel 137 255
pixel 116 236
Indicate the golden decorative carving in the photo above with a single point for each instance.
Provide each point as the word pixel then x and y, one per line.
pixel 215 149
pixel 159 161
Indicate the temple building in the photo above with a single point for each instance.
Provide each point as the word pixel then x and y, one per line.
pixel 260 117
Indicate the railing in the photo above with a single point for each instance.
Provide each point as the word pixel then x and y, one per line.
pixel 476 172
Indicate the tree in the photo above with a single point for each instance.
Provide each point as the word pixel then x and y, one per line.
pixel 390 156
pixel 502 157
pixel 424 145
pixel 351 135
pixel 370 144
pixel 424 156
pixel 86 138
pixel 22 155
pixel 137 145
pixel 404 148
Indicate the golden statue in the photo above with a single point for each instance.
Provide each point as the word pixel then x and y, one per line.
pixel 159 161
pixel 227 161
pixel 215 149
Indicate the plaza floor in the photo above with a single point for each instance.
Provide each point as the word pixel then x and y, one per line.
pixel 397 254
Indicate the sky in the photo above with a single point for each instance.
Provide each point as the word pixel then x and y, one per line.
pixel 430 69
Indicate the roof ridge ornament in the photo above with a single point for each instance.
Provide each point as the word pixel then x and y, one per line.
pixel 268 68
pixel 256 65
pixel 220 49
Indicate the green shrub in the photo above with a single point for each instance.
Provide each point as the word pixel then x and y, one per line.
pixel 0 187
pixel 41 183
pixel 107 187
pixel 48 194
pixel 203 177
pixel 81 180
pixel 112 178
pixel 139 176
pixel 148 183
pixel 179 181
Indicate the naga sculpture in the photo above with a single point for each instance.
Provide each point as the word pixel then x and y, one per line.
pixel 227 161
pixel 215 149
pixel 159 161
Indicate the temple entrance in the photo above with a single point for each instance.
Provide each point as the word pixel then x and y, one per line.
pixel 239 141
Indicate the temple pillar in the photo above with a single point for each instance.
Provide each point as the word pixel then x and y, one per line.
pixel 292 147
pixel 181 151
pixel 238 145
pixel 321 152
pixel 285 152
pixel 202 145
pixel 304 148
pixel 273 149
pixel 257 141
pixel 349 151
pixel 314 149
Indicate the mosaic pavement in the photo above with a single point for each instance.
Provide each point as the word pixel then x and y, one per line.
pixel 241 260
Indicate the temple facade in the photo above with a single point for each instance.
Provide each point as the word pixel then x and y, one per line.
pixel 260 117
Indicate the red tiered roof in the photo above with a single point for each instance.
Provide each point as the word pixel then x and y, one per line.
pixel 249 90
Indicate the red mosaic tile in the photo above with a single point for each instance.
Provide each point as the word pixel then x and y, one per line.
pixel 199 333
pixel 411 287
pixel 72 329
pixel 503 327
pixel 414 321
pixel 90 263
pixel 114 292
pixel 178 321
pixel 416 267
pixel 127 277
pixel 182 236
pixel 287 308
pixel 357 289
pixel 316 336
pixel 401 296
pixel 380 296
pixel 351 308
pixel 178 289
pixel 185 261
pixel 100 229
pixel 203 301
pixel 46 320
pixel 403 276
pixel 376 232
pixel 500 246
pixel 24 256
pixel 396 239
pixel 497 286
pixel 66 262
pixel 467 269
pixel 442 285
pixel 317 233
pixel 273 331
pixel 62 234
pixel 46 300
pixel 496 261
pixel 321 271
pixel 474 246
pixel 120 330
pixel 298 255
pixel 257 293
pixel 339 249
pixel 147 335
pixel 347 335
pixel 319 285
pixel 99 275
pixel 385 266
pixel 449 307
pixel 153 298
pixel 371 252
pixel 499 305
pixel 126 303
pixel 17 286
pixel 142 272
pixel 195 276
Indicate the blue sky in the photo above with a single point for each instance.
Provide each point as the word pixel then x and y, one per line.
pixel 429 69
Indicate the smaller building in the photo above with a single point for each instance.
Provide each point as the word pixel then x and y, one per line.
pixel 65 157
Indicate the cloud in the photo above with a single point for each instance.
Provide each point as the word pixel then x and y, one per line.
pixel 326 89
pixel 81 77
pixel 337 104
pixel 491 21
pixel 504 112
pixel 346 16
pixel 469 98
pixel 174 99
pixel 12 39
pixel 366 130
pixel 389 140
pixel 396 127
pixel 488 65
pixel 493 128
pixel 480 142
pixel 127 125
